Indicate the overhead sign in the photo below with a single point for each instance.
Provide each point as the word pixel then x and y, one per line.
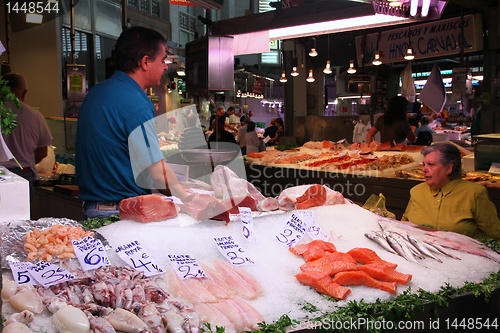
pixel 182 3
pixel 438 38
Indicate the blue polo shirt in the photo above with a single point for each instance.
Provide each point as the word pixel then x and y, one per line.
pixel 115 141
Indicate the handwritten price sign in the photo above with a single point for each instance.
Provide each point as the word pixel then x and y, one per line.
pixel 186 266
pixel 292 232
pixel 247 224
pixel 134 255
pixel 21 274
pixel 90 253
pixel 48 274
pixel 232 251
pixel 313 229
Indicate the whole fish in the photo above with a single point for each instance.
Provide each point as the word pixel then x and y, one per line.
pixel 403 241
pixel 380 240
pixel 438 249
pixel 401 249
pixel 422 248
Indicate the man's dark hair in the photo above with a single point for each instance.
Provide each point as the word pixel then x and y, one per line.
pixel 425 120
pixel 133 44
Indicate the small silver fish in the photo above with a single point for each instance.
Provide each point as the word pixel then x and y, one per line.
pixel 438 249
pixel 403 241
pixel 380 240
pixel 422 248
pixel 401 249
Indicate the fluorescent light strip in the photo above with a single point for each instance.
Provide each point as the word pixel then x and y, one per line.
pixel 348 24
pixel 425 7
pixel 34 18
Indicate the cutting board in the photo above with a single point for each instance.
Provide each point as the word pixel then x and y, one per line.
pixel 67 189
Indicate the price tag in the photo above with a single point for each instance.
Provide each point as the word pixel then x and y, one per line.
pixel 48 274
pixel 90 253
pixel 134 255
pixel 292 232
pixel 21 274
pixel 232 251
pixel 313 228
pixel 186 266
pixel 247 224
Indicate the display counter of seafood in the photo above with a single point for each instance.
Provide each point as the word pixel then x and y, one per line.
pixel 242 263
pixel 357 171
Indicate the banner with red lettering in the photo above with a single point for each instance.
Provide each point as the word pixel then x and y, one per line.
pixel 182 3
pixel 258 86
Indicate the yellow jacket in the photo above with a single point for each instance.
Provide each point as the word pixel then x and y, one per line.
pixel 459 206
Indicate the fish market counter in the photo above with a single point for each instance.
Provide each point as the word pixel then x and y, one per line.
pixel 51 202
pixel 271 180
pixel 272 267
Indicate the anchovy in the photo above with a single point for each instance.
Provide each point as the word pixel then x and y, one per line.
pixel 422 248
pixel 380 240
pixel 404 242
pixel 403 251
pixel 439 249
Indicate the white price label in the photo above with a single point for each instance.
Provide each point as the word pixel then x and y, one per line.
pixel 48 274
pixel 135 255
pixel 232 251
pixel 186 266
pixel 90 253
pixel 292 232
pixel 21 274
pixel 313 228
pixel 247 224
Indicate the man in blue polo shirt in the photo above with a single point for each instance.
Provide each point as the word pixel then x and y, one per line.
pixel 117 151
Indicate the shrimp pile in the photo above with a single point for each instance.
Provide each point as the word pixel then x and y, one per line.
pixel 54 241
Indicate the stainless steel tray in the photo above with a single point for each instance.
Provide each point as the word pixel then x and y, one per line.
pixel 209 155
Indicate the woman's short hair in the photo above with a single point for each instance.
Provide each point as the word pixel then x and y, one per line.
pixel 448 154
pixel 250 126
pixel 133 44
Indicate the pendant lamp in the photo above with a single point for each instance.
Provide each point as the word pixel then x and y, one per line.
pixel 310 78
pixel 328 68
pixel 351 69
pixel 283 77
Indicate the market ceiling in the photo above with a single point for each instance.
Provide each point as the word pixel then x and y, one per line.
pixel 313 11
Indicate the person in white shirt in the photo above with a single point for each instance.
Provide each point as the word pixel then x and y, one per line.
pixel 241 137
pixel 251 138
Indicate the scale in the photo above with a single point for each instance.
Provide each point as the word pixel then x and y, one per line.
pixel 75 93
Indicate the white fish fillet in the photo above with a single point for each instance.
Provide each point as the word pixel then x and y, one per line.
pixel 208 313
pixel 238 280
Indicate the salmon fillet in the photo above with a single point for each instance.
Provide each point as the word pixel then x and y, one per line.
pixel 328 266
pixel 317 249
pixel 367 256
pixel 323 284
pixel 147 208
pixel 356 278
pixel 314 196
pixel 382 272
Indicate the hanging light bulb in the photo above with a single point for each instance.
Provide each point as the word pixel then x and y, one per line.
pixel 310 78
pixel 328 68
pixel 377 60
pixel 283 77
pixel 313 52
pixel 410 55
pixel 351 69
pixel 294 72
